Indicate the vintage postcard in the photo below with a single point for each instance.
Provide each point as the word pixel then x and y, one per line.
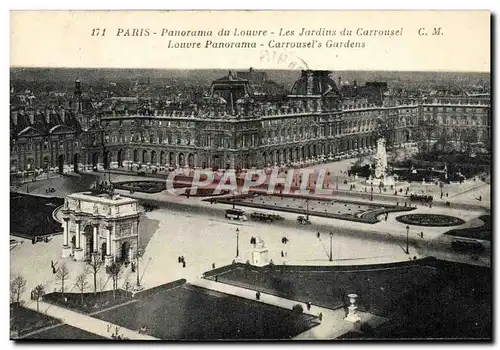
pixel 250 175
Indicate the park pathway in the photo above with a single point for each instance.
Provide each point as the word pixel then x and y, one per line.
pixel 332 325
pixel 87 323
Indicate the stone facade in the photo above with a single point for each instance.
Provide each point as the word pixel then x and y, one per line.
pixel 104 224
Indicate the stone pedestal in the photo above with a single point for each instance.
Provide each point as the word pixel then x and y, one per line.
pixel 352 315
pixel 78 254
pixel 260 256
pixel 66 252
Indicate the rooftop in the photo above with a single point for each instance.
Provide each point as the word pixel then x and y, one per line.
pixel 115 199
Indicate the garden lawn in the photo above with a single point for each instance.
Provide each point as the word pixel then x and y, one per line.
pixel 32 216
pixel 192 313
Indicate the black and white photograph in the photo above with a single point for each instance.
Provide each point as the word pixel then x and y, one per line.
pixel 246 202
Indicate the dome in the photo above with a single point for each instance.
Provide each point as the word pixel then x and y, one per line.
pixel 315 82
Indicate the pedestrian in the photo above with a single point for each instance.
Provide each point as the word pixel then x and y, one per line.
pixel 320 316
pixel 109 327
pixel 213 265
pixel 446 194
pixel 52 263
pixel 179 259
pixel 116 330
pixel 397 204
pixel 308 306
pixel 54 270
pixel 182 259
pixel 318 235
pixel 282 254
pixel 422 234
pixel 257 295
pixel 183 263
pixel 216 278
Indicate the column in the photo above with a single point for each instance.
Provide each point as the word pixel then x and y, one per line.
pixel 95 248
pixel 78 252
pixel 108 240
pixel 78 222
pixel 65 231
pixel 108 258
pixel 66 250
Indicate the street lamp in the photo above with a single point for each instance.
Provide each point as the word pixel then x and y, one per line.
pixel 331 250
pixel 237 242
pixel 407 237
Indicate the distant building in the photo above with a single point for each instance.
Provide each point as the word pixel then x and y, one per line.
pixel 236 127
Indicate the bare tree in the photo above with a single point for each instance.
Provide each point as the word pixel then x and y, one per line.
pixel 62 275
pixel 17 287
pixel 115 271
pixel 38 292
pixel 94 265
pixel 82 284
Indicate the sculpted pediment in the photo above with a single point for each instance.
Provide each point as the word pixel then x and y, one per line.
pixel 61 129
pixel 30 132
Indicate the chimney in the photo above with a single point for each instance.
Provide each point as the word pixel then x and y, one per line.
pixel 31 115
pixel 62 113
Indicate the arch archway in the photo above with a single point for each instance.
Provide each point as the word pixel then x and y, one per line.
pixel 191 160
pixel 45 163
pixel 136 156
pixel 181 159
pixel 95 160
pixel 76 160
pixel 162 157
pixel 153 157
pixel 89 241
pixel 103 251
pixel 106 156
pixel 124 252
pixel 120 158
pixel 60 164
pixel 144 156
pixel 171 159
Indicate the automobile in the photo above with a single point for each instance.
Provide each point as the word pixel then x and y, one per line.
pixel 463 244
pixel 303 220
pixel 236 214
pixel 265 216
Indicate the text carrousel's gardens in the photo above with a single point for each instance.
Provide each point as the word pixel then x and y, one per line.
pixel 238 38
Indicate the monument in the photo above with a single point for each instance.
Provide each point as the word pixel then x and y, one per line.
pixel 260 253
pixel 381 176
pixel 100 222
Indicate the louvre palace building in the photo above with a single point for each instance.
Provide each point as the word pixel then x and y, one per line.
pixel 234 126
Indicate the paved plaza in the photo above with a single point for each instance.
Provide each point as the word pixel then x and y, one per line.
pixel 198 230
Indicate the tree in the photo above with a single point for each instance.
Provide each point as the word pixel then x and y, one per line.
pixel 62 275
pixel 38 292
pixel 17 287
pixel 81 284
pixel 94 265
pixel 115 271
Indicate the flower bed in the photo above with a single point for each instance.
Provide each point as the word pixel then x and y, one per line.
pixel 436 220
pixel 141 186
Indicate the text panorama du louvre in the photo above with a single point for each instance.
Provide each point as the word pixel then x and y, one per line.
pixel 280 40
